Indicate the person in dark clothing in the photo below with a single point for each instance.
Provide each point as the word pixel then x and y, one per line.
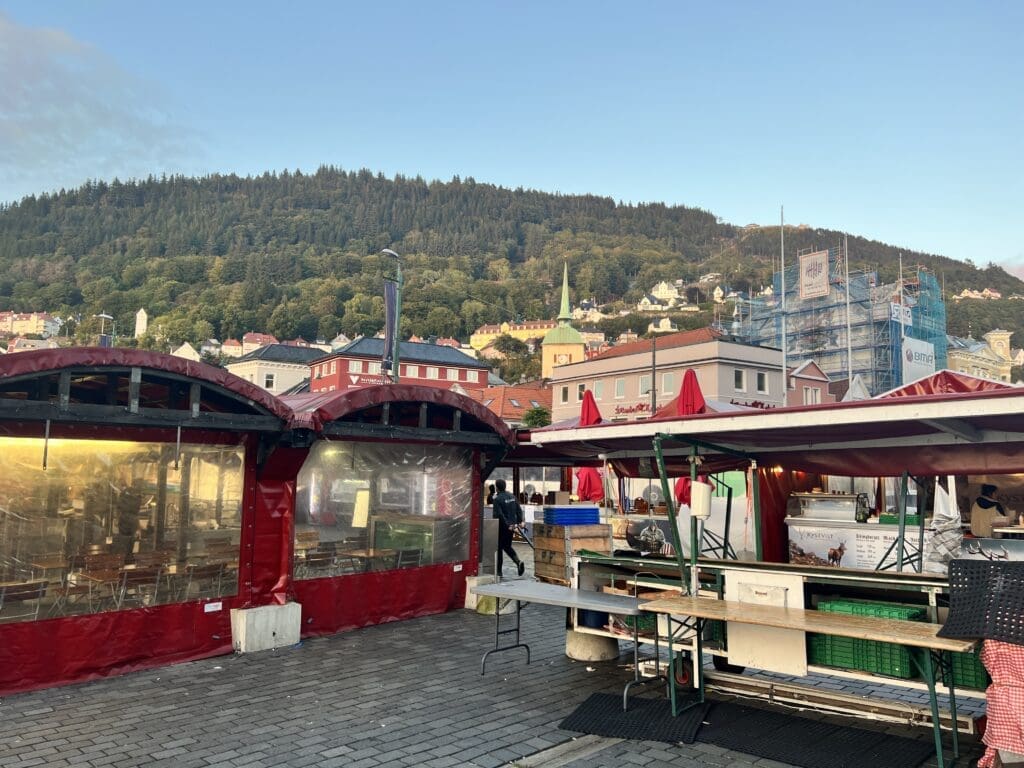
pixel 509 514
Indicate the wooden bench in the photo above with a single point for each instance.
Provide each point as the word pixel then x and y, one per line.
pixel 919 638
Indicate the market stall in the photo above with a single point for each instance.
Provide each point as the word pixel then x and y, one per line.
pixel 128 513
pixel 917 439
pixel 388 493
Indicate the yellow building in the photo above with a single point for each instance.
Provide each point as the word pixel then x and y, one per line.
pixel 533 329
pixel 988 359
pixel 563 344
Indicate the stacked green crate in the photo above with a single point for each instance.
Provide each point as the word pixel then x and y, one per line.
pixel 968 671
pixel 867 655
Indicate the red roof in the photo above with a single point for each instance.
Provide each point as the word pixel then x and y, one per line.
pixel 499 400
pixel 312 411
pixel 669 341
pixel 944 382
pixel 35 361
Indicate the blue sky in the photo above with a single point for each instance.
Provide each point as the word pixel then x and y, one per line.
pixel 902 122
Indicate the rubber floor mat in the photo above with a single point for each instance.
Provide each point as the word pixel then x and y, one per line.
pixel 645 720
pixel 788 738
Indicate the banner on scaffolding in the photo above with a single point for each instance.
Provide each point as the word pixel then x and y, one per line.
pixel 918 359
pixel 814 275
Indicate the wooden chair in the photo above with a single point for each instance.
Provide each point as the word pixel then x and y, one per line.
pixel 318 564
pixel 202 581
pixel 408 558
pixel 139 586
pixel 21 601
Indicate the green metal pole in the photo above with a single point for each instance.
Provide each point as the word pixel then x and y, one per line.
pixel 671 505
pixel 902 528
pixel 755 489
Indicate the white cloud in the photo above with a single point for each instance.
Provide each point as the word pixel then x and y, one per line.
pixel 69 112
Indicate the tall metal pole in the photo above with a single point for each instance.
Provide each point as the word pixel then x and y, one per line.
pixel 654 389
pixel 849 330
pixel 782 263
pixel 399 282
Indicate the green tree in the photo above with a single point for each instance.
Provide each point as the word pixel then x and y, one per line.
pixel 538 416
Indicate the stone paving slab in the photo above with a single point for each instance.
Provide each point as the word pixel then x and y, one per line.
pixel 405 693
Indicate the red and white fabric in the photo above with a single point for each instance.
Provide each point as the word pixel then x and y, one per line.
pixel 1004 699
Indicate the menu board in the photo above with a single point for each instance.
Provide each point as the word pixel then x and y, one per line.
pixel 845 545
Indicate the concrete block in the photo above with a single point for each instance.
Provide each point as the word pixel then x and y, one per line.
pixel 265 627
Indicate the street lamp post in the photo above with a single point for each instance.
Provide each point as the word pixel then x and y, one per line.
pixel 398 312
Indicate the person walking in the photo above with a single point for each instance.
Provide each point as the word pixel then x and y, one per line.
pixel 509 514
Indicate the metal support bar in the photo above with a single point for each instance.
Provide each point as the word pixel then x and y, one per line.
pixel 498 632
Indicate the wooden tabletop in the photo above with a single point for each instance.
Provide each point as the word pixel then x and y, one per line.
pixel 909 633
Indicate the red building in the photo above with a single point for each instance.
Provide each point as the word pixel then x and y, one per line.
pixel 358 364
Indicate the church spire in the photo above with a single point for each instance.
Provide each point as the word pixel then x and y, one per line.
pixel 564 315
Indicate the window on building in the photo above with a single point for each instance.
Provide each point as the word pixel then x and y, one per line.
pixel 433 372
pixel 354 366
pixel 739 380
pixel 334 366
pixel 580 389
pixel 412 371
pixel 515 403
pixel 644 387
pixel 565 394
pixel 668 384
pixel 268 381
pixel 762 382
pixel 453 374
pixel 373 367
pixel 620 389
pixel 812 395
pixel 598 389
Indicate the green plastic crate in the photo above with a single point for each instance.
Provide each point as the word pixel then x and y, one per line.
pixel 968 671
pixel 895 519
pixel 872 656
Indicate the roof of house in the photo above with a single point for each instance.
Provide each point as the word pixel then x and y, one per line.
pixel 409 352
pixel 510 402
pixel 281 353
pixel 681 339
pixel 252 337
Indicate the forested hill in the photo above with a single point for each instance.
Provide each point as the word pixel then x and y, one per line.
pixel 298 254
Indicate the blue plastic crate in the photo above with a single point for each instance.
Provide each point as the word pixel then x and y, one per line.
pixel 571 515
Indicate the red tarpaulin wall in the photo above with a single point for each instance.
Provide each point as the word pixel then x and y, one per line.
pixel 775 488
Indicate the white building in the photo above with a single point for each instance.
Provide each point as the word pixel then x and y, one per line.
pixel 141 323
pixel 727 370
pixel 275 367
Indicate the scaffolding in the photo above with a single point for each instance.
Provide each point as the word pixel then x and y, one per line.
pixel 878 317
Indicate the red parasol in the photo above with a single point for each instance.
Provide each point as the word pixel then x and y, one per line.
pixel 682 489
pixel 690 402
pixel 588 480
pixel 691 399
pixel 588 484
pixel 589 415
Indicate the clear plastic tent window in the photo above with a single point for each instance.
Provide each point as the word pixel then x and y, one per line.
pixel 379 506
pixel 97 525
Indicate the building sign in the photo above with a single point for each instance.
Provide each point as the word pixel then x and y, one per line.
pixel 896 311
pixel 918 359
pixel 635 408
pixel 814 275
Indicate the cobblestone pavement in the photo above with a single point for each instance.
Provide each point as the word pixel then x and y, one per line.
pixel 406 693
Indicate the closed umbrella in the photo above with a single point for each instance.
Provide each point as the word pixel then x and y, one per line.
pixel 588 480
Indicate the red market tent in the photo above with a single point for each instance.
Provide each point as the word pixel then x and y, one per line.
pixel 449 441
pixel 83 426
